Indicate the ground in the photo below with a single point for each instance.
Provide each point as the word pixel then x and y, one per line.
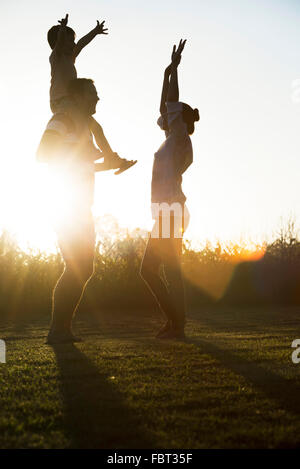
pixel 232 384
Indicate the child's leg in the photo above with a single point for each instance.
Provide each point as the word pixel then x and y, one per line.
pixel 172 267
pixel 150 273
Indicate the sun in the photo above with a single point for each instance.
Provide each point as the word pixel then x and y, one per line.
pixel 26 214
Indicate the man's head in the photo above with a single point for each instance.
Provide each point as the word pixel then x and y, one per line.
pixel 84 95
pixel 69 38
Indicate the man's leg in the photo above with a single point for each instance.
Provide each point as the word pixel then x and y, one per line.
pixel 67 295
pixel 78 254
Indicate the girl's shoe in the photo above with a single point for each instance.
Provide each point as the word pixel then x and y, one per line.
pixel 64 337
pixel 173 334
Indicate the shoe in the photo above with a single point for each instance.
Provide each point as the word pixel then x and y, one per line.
pixel 173 334
pixel 125 165
pixel 62 338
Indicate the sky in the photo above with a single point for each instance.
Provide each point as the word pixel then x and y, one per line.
pixel 240 68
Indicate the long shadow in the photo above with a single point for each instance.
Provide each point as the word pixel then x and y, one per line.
pixel 95 414
pixel 249 320
pixel 276 387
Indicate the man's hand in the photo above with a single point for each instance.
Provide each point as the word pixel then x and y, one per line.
pixel 99 29
pixel 112 160
pixel 64 21
pixel 176 54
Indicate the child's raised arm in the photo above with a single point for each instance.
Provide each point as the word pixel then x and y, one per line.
pixel 164 92
pixel 173 91
pixel 85 40
pixel 61 34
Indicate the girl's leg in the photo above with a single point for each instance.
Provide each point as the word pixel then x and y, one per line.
pixel 150 273
pixel 172 258
pixel 173 272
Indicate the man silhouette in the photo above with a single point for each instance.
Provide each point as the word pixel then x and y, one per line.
pixel 67 146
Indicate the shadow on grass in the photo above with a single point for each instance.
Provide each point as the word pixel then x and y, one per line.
pixel 274 386
pixel 95 414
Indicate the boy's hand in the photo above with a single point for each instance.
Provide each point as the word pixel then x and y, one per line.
pixel 64 21
pixel 99 29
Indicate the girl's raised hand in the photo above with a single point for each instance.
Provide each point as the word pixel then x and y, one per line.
pixel 176 54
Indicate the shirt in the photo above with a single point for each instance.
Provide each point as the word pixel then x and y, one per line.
pixel 62 72
pixel 72 161
pixel 173 157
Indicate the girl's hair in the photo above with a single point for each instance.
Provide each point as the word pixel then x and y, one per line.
pixel 53 32
pixel 190 116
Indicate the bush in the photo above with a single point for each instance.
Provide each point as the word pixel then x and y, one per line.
pixel 230 274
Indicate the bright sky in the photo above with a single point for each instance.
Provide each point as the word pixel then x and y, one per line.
pixel 239 64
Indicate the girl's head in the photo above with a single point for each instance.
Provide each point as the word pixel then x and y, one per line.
pixel 190 116
pixel 69 38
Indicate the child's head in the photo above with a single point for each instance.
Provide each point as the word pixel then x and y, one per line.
pixel 69 41
pixel 190 116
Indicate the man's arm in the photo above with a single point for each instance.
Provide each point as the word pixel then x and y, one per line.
pixel 105 166
pixel 100 138
pixel 85 40
pixel 109 155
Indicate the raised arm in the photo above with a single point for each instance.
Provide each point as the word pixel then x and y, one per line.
pixel 166 83
pixel 173 91
pixel 85 40
pixel 165 89
pixel 61 34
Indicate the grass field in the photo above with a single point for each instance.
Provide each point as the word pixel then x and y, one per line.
pixel 232 384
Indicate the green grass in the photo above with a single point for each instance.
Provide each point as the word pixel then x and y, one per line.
pixel 231 385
